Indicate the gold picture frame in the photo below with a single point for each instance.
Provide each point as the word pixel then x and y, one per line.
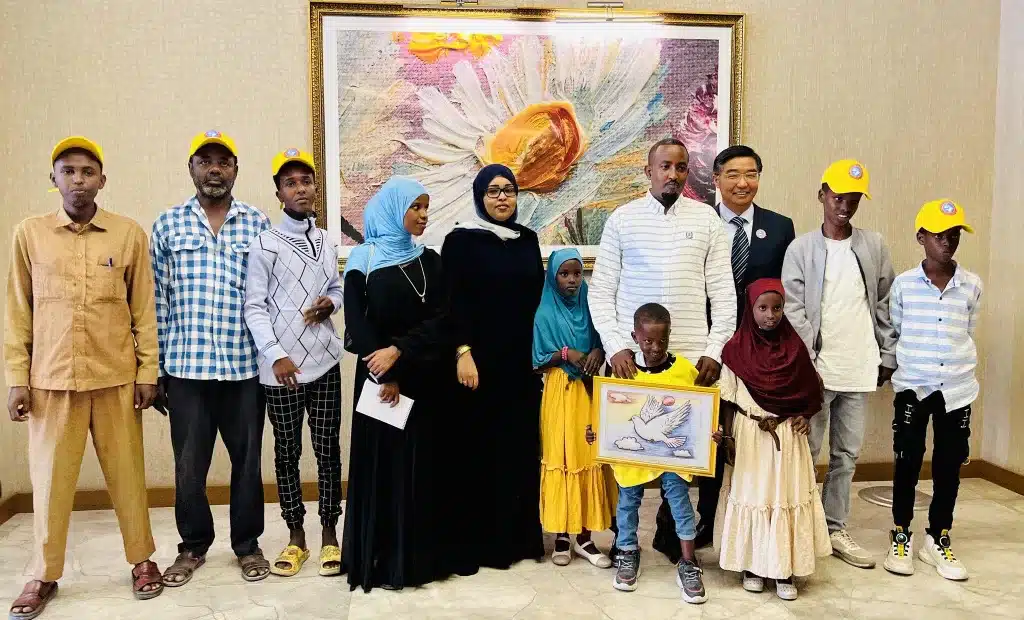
pixel 656 425
pixel 321 11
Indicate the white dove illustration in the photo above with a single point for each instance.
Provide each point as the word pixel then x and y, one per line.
pixel 656 421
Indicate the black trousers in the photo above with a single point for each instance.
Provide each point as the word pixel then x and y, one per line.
pixel 198 410
pixel 952 432
pixel 321 399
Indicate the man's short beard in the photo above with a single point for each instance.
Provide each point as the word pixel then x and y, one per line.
pixel 81 202
pixel 669 198
pixel 214 192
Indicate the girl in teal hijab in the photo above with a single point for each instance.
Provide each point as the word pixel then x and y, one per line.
pixel 576 495
pixel 563 320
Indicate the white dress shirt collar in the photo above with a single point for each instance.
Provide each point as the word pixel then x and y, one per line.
pixel 728 215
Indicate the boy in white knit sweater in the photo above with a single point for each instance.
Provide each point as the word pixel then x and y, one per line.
pixel 291 292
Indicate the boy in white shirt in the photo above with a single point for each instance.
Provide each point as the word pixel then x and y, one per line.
pixel 935 309
pixel 837 281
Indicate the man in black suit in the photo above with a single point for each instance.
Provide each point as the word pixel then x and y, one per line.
pixel 759 240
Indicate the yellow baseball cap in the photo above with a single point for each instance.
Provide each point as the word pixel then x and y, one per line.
pixel 289 155
pixel 77 142
pixel 847 176
pixel 941 215
pixel 212 137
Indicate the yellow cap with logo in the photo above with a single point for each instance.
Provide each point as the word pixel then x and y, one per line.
pixel 940 215
pixel 289 155
pixel 77 142
pixel 847 176
pixel 212 137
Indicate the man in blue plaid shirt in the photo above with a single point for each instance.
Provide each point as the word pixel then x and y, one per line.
pixel 208 372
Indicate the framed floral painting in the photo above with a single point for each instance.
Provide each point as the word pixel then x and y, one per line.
pixel 660 427
pixel 570 102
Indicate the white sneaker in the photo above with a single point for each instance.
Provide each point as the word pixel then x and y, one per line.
pixel 940 555
pixel 846 549
pixel 786 591
pixel 752 583
pixel 900 559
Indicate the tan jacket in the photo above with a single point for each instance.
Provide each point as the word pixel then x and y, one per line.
pixel 80 304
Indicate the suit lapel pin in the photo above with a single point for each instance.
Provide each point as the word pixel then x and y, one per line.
pixel 761 234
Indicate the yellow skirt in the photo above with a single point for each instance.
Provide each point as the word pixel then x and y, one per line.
pixel 576 493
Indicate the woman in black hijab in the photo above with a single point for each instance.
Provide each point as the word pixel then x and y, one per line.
pixel 495 274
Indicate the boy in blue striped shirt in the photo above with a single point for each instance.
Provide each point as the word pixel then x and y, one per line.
pixel 934 308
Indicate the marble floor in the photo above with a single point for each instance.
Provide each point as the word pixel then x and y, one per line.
pixel 988 537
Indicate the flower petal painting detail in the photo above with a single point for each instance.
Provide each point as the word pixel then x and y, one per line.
pixel 572 117
pixel 539 144
pixel 432 46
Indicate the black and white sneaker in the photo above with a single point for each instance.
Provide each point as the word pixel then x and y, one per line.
pixel 690 579
pixel 938 553
pixel 627 574
pixel 900 559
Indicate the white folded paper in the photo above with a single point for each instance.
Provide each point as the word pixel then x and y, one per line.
pixel 370 405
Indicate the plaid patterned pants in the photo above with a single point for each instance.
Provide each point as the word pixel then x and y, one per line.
pixel 321 399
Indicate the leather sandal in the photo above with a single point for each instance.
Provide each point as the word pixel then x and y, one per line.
pixel 147 574
pixel 254 563
pixel 185 565
pixel 33 596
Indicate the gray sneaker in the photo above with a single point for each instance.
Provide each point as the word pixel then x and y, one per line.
pixel 690 579
pixel 628 572
pixel 847 549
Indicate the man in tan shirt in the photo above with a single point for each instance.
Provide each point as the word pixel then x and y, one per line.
pixel 80 350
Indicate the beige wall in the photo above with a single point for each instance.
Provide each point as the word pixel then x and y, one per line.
pixel 1004 426
pixel 908 87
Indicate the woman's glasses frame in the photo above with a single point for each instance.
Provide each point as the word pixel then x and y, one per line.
pixel 510 191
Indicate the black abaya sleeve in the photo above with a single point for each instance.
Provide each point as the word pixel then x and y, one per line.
pixel 541 272
pixel 365 339
pixel 460 298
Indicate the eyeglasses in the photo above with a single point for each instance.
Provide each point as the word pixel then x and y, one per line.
pixel 494 191
pixel 749 176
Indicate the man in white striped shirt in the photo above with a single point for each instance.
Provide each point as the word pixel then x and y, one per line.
pixel 934 309
pixel 671 250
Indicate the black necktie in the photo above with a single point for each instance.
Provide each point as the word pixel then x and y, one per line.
pixel 740 251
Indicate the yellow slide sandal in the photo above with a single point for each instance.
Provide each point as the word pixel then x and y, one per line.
pixel 290 561
pixel 330 561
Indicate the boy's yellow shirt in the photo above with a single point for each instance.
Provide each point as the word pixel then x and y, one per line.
pixel 681 373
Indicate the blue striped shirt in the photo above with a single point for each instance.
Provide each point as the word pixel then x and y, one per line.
pixel 936 350
pixel 200 291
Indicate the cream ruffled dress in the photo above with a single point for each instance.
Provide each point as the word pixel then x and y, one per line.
pixel 774 523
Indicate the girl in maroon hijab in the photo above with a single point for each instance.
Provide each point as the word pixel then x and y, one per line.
pixel 774 523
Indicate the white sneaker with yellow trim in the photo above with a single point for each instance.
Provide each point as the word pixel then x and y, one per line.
pixel 901 552
pixel 938 553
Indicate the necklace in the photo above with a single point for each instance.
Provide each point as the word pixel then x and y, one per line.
pixel 423 295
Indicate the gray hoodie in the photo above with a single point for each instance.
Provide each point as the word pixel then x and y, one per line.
pixel 803 276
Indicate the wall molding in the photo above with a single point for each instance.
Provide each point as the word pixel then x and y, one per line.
pixel 163 497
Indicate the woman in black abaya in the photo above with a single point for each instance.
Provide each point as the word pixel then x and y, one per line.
pixel 495 277
pixel 395 531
